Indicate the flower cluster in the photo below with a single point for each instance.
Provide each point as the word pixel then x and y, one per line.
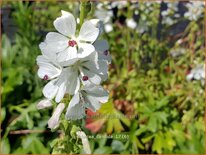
pixel 75 64
pixel 195 10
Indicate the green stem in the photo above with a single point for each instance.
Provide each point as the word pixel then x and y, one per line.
pixel 82 13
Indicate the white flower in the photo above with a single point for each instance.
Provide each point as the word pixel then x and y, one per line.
pixel 66 44
pixel 45 103
pixel 102 47
pixel 198 73
pixel 131 23
pixel 89 70
pixel 60 79
pixel 85 142
pixel 91 96
pixel 195 10
pixel 54 120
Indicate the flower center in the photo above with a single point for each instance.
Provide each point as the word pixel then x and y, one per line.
pixel 85 78
pixel 72 43
pixel 46 77
pixel 106 52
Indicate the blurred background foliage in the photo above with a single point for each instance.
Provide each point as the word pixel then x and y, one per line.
pixel 153 108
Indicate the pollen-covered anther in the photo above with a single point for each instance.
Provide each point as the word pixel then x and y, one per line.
pixel 72 43
pixel 46 77
pixel 85 78
pixel 106 52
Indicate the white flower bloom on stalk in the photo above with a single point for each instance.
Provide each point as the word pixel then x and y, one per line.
pixel 195 10
pixel 53 122
pixel 70 62
pixel 66 43
pixel 91 96
pixel 45 103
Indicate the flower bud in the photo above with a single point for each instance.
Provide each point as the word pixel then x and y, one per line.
pixel 54 120
pixel 85 142
pixel 45 103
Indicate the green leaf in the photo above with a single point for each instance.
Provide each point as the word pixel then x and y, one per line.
pixel 5 146
pixel 158 143
pixel 147 139
pixel 163 102
pixel 38 148
pixel 30 123
pixel 142 129
pixel 169 141
pixel 117 146
pixel 103 150
pixel 123 118
pixel 110 126
pixel 102 141
pixel 161 116
pixel 152 124
pixel 3 114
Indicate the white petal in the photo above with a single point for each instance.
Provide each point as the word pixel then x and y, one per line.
pixel 75 109
pixel 61 92
pixel 92 57
pixel 48 69
pixel 88 32
pixel 56 41
pixel 73 82
pixel 50 89
pixel 62 84
pixel 45 103
pixel 66 24
pixel 92 100
pixel 93 77
pixel 44 59
pixel 92 103
pixel 54 120
pixel 85 49
pixel 92 66
pixel 98 24
pixel 103 67
pixel 68 57
pixel 97 92
pixel 101 45
pixel 47 51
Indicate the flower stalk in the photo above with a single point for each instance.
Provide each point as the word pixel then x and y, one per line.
pixel 82 12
